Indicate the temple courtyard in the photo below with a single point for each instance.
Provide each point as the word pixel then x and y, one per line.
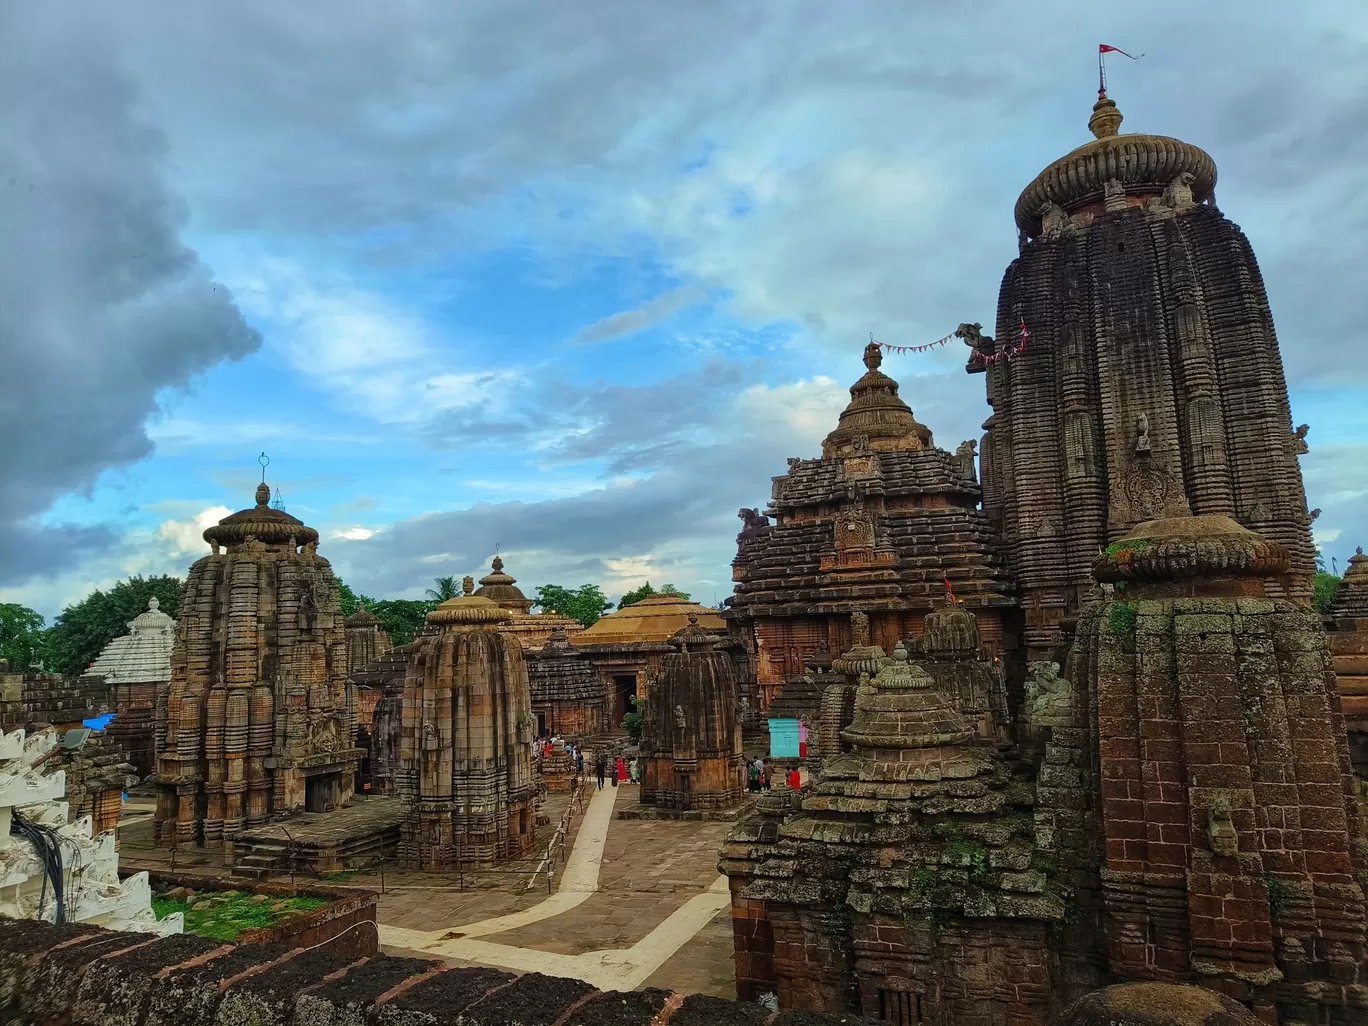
pixel 633 903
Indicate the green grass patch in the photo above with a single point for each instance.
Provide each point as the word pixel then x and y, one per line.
pixel 231 913
pixel 342 876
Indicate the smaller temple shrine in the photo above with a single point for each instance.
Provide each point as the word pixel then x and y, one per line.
pixel 691 737
pixel 885 523
pixel 531 629
pixel 901 885
pixel 466 778
pixel 569 697
pixel 953 655
pixel 628 647
pixel 136 667
pixel 259 717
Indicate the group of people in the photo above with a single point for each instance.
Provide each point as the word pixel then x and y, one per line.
pixel 619 769
pixel 758 777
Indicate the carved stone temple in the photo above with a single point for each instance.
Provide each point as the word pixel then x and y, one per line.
pixel 465 775
pixel 879 523
pixel 569 697
pixel 1139 770
pixel 691 738
pixel 259 715
pixel 1151 385
pixel 531 629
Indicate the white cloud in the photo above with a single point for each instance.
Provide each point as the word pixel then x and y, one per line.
pixel 186 537
pixel 355 533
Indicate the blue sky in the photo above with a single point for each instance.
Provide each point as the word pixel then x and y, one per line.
pixel 575 279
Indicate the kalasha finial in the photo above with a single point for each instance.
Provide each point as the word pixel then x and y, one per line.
pixel 497 565
pixel 468 585
pixel 873 354
pixel 263 492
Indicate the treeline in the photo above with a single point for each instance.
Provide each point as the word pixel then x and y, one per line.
pixel 81 631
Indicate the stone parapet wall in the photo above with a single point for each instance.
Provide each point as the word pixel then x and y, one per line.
pixel 90 977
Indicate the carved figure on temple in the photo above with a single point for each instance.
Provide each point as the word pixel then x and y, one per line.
pixel 974 338
pixel 1177 195
pixel 966 452
pixel 308 607
pixel 1052 221
pixel 1049 696
pixel 1114 196
pixel 752 521
pixel 1221 832
pixel 1299 440
pixel 1142 438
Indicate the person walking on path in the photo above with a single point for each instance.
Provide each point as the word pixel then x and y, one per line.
pixel 579 761
pixel 601 768
pixel 752 777
pixel 634 770
pixel 620 770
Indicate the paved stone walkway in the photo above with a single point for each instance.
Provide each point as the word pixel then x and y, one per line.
pixel 637 903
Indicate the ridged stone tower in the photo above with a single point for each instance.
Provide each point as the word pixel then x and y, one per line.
pixel 465 750
pixel 259 714
pixel 1230 850
pixel 1151 385
pixel 691 740
pixel 878 524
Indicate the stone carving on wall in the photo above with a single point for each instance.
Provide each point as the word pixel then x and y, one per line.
pixel 1049 696
pixel 1113 196
pixel 1142 438
pixel 1052 221
pixel 752 521
pixel 1221 832
pixel 1299 445
pixel 966 452
pixel 1178 193
pixel 1147 489
pixel 854 530
pixel 308 607
pixel 323 736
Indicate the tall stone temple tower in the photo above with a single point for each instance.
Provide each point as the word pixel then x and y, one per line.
pixel 259 715
pixel 466 779
pixel 1151 385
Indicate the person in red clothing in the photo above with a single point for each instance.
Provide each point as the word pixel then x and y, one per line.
pixel 793 779
pixel 620 770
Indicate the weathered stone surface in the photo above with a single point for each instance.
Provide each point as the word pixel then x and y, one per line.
pixel 1151 385
pixel 691 738
pixel 878 524
pixel 259 717
pixel 465 751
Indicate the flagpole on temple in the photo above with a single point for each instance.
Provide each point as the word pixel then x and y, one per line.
pixel 1101 74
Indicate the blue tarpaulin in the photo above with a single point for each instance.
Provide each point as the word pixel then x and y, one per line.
pixel 784 739
pixel 99 722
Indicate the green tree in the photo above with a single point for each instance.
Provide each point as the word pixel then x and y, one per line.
pixel 1326 585
pixel 81 631
pixel 350 600
pixel 586 604
pixel 634 720
pixel 447 588
pixel 646 590
pixel 400 617
pixel 23 641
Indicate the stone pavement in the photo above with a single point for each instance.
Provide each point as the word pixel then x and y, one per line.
pixel 637 903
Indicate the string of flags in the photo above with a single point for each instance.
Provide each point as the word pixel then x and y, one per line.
pixel 1007 354
pixel 912 349
pixel 988 358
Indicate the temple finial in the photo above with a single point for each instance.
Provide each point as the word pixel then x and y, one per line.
pixel 873 354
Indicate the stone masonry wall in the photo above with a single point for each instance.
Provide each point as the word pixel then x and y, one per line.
pixel 85 976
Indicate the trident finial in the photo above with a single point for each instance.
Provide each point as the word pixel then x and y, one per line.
pixel 265 462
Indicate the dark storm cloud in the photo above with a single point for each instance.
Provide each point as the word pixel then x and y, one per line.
pixel 101 305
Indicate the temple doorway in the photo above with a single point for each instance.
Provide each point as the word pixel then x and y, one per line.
pixel 321 792
pixel 624 690
pixel 541 724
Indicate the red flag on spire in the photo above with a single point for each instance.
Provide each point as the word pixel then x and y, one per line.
pixel 1104 48
pixel 950 591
